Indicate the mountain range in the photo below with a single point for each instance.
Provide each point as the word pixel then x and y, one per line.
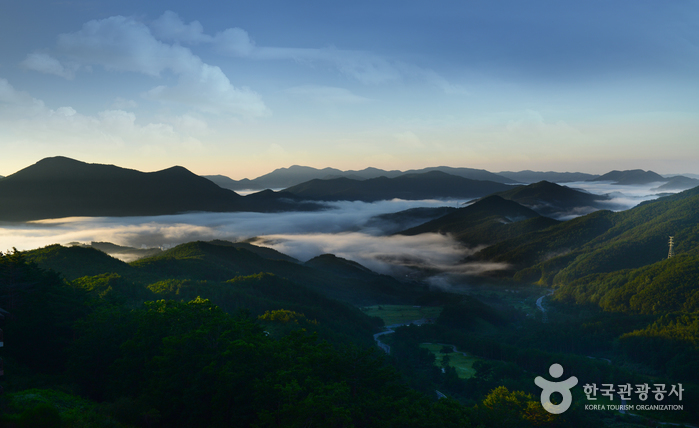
pixel 62 187
pixel 427 185
pixel 528 176
pixel 287 177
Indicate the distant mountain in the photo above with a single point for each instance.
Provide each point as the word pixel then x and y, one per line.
pixel 485 222
pixel 429 185
pixel 529 176
pixel 287 177
pixel 554 200
pixel 394 222
pixel 62 187
pixel 678 183
pixel 633 176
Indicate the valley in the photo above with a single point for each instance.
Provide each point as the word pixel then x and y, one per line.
pixel 470 297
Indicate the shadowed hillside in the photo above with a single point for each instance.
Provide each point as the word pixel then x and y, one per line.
pixel 429 185
pixel 62 187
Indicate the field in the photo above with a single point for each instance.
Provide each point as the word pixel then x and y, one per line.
pixel 462 363
pixel 400 314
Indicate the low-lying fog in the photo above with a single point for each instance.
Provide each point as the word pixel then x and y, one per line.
pixel 343 229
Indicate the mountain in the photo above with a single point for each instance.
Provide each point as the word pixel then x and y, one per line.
pixel 678 183
pixel 287 177
pixel 278 179
pixel 485 222
pixel 213 262
pixel 633 176
pixel 394 222
pixel 602 243
pixel 528 176
pixel 554 200
pixel 428 185
pixel 62 187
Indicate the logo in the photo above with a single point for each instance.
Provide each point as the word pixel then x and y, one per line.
pixel 563 387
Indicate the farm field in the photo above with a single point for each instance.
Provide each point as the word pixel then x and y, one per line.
pixel 399 314
pixel 462 363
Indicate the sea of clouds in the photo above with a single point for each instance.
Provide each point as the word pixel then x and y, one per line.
pixel 343 229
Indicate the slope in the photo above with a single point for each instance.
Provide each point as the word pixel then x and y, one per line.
pixel 433 184
pixel 62 187
pixel 554 200
pixel 487 221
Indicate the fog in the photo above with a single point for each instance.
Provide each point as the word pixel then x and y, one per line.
pixel 342 229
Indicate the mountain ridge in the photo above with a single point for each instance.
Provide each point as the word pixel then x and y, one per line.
pixel 60 187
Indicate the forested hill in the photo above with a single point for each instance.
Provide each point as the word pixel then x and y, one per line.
pixel 628 246
pixel 286 177
pixel 62 187
pixel 428 185
pixel 221 260
pixel 485 222
pixel 552 199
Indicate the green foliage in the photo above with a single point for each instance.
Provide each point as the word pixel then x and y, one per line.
pixel 41 309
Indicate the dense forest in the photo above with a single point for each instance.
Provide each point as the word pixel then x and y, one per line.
pixel 210 334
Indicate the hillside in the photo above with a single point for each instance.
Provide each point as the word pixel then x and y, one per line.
pixel 587 252
pixel 62 187
pixel 287 177
pixel 629 177
pixel 209 261
pixel 395 222
pixel 528 176
pixel 554 200
pixel 429 185
pixel 487 221
pixel 678 183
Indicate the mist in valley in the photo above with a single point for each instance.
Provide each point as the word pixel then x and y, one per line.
pixel 351 230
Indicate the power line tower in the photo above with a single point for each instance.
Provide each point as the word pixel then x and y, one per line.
pixel 671 252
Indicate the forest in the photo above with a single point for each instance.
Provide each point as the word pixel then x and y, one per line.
pixel 208 334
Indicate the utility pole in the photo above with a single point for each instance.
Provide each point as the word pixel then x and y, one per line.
pixel 671 252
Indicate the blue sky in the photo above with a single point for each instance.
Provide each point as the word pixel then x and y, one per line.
pixel 242 88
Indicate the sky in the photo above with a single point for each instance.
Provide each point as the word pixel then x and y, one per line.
pixel 241 88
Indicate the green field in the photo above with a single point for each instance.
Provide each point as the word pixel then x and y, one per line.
pixel 399 314
pixel 463 364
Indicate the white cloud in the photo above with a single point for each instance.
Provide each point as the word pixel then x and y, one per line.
pixel 326 94
pixel 122 104
pixel 122 44
pixel 65 127
pixel 45 63
pixel 408 139
pixel 14 103
pixel 234 41
pixel 170 27
pixel 365 67
pixel 209 90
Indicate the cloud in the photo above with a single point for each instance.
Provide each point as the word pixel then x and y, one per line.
pixel 408 139
pixel 122 104
pixel 14 103
pixel 326 94
pixel 65 127
pixel 123 44
pixel 365 67
pixel 170 27
pixel 209 90
pixel 45 63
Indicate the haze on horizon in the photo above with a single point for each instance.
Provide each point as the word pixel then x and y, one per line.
pixel 240 89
